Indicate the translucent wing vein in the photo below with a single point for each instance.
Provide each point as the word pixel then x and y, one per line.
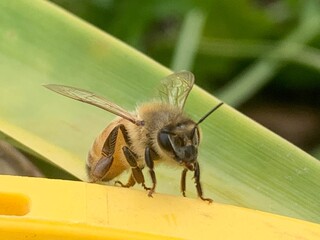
pixel 93 99
pixel 176 87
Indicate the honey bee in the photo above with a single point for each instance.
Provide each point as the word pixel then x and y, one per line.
pixel 158 131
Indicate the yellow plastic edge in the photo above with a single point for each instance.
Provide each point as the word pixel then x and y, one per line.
pixel 59 209
pixel 19 229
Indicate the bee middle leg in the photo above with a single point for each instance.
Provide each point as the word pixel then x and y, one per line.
pixel 131 182
pixel 136 172
pixel 149 162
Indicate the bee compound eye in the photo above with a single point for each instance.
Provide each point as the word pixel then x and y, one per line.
pixel 164 141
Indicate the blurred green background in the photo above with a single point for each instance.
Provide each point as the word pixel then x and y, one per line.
pixel 260 56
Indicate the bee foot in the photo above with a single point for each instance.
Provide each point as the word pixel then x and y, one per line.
pixel 209 200
pixel 120 184
pixel 150 193
pixel 145 187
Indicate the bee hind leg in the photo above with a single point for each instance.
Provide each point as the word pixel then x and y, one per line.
pixel 98 171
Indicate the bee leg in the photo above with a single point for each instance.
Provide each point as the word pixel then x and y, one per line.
pixel 149 163
pixel 99 171
pixel 131 182
pixel 183 181
pixel 198 184
pixel 136 174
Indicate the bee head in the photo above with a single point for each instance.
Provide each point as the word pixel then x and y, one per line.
pixel 181 140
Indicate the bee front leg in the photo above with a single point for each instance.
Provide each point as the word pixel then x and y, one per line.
pixel 183 181
pixel 149 163
pixel 198 184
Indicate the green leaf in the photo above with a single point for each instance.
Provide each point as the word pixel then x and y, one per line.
pixel 242 163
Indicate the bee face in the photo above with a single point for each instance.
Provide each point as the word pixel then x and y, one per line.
pixel 181 140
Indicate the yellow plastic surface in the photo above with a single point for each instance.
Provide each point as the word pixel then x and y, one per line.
pixel 35 208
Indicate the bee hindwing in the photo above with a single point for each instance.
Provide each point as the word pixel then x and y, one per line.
pixel 176 87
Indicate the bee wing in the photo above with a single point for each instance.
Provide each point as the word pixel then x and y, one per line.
pixel 176 87
pixel 93 99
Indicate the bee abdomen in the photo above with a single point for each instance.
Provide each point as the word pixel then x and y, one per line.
pixel 95 152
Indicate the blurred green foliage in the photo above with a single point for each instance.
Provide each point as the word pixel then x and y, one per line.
pixel 153 28
pixel 235 37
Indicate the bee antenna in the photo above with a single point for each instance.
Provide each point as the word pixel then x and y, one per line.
pixel 209 113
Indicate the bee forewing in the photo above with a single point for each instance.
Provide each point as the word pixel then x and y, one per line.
pixel 176 87
pixel 93 99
